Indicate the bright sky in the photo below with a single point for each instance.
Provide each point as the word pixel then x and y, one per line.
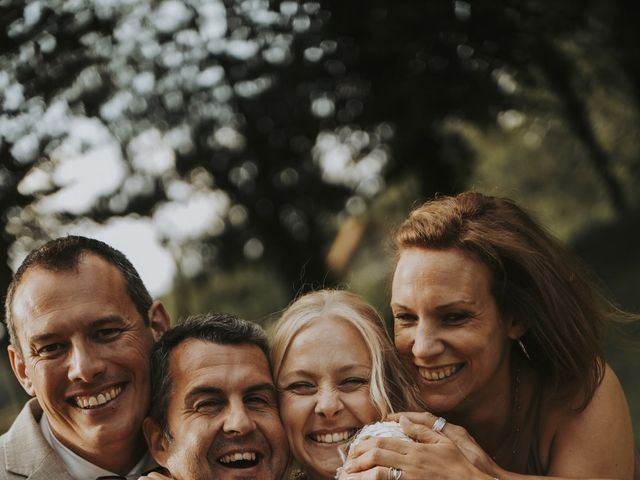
pixel 89 164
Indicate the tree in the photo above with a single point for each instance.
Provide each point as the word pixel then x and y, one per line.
pixel 280 115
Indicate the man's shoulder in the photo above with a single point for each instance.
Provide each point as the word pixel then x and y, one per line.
pixel 24 452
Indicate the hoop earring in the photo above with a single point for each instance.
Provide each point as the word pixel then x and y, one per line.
pixel 524 350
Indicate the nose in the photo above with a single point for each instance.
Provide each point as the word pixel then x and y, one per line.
pixel 238 421
pixel 85 364
pixel 328 403
pixel 427 342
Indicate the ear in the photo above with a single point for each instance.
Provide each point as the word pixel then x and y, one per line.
pixel 20 370
pixel 515 329
pixel 159 319
pixel 156 440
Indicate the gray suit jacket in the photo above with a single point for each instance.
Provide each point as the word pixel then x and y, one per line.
pixel 24 453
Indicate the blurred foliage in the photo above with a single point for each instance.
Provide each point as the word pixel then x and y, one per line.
pixel 309 128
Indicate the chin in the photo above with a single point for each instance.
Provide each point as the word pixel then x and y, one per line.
pixel 327 470
pixel 439 405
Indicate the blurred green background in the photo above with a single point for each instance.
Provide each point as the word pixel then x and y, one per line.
pixel 262 149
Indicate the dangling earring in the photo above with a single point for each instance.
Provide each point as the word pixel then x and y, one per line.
pixel 524 350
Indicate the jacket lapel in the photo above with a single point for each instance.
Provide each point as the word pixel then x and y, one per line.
pixel 27 453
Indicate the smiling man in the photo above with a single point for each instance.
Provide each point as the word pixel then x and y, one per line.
pixel 82 325
pixel 214 411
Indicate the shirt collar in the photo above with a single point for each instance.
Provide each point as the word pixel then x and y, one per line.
pixel 78 467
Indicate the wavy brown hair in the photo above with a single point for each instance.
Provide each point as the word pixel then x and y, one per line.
pixel 534 280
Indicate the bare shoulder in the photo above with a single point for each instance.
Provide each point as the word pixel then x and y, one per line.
pixel 596 441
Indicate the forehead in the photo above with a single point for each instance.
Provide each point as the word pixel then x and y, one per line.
pixel 230 368
pixel 94 289
pixel 327 342
pixel 440 272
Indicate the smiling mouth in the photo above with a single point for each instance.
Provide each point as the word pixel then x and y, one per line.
pixel 331 438
pixel 87 402
pixel 240 460
pixel 436 374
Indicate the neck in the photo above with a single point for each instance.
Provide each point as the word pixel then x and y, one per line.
pixel 119 458
pixel 485 418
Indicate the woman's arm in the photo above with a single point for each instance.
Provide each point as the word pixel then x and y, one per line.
pixel 596 442
pixel 433 455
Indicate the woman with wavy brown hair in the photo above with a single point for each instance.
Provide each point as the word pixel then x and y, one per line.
pixel 501 330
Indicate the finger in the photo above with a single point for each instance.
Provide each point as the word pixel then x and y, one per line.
pixel 376 473
pixel 375 457
pixel 156 476
pixel 419 432
pixel 455 433
pixel 390 444
pixel 423 418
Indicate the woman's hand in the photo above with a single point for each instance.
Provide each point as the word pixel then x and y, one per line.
pixel 453 454
pixel 155 476
pixel 419 426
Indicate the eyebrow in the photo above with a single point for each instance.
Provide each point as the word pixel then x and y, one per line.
pixel 97 323
pixel 455 304
pixel 343 369
pixel 439 307
pixel 262 387
pixel 208 390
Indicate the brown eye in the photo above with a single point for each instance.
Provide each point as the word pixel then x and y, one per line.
pixel 353 383
pixel 108 333
pixel 405 317
pixel 455 318
pixel 50 350
pixel 208 406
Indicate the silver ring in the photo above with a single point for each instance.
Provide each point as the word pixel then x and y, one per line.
pixel 438 425
pixel 395 473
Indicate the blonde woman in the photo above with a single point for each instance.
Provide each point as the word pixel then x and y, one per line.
pixel 336 370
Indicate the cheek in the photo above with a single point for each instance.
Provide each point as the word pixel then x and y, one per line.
pixel 48 380
pixel 293 413
pixel 138 343
pixel 274 434
pixel 189 445
pixel 363 407
pixel 403 339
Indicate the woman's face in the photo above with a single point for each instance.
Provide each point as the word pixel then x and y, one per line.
pixel 324 385
pixel 448 329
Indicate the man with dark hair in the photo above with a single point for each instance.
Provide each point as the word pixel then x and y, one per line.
pixel 214 407
pixel 81 325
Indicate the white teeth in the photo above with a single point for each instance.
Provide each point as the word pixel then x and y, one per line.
pixel 98 400
pixel 431 374
pixel 236 457
pixel 332 437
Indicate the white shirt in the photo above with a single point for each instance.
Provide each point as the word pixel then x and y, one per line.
pixel 81 469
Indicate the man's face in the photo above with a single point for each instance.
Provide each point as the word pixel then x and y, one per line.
pixel 222 416
pixel 84 353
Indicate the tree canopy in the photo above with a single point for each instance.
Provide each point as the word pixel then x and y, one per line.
pixel 282 118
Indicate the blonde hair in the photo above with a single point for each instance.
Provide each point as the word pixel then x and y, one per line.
pixel 391 389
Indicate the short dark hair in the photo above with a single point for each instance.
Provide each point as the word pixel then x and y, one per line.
pixel 63 255
pixel 218 328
